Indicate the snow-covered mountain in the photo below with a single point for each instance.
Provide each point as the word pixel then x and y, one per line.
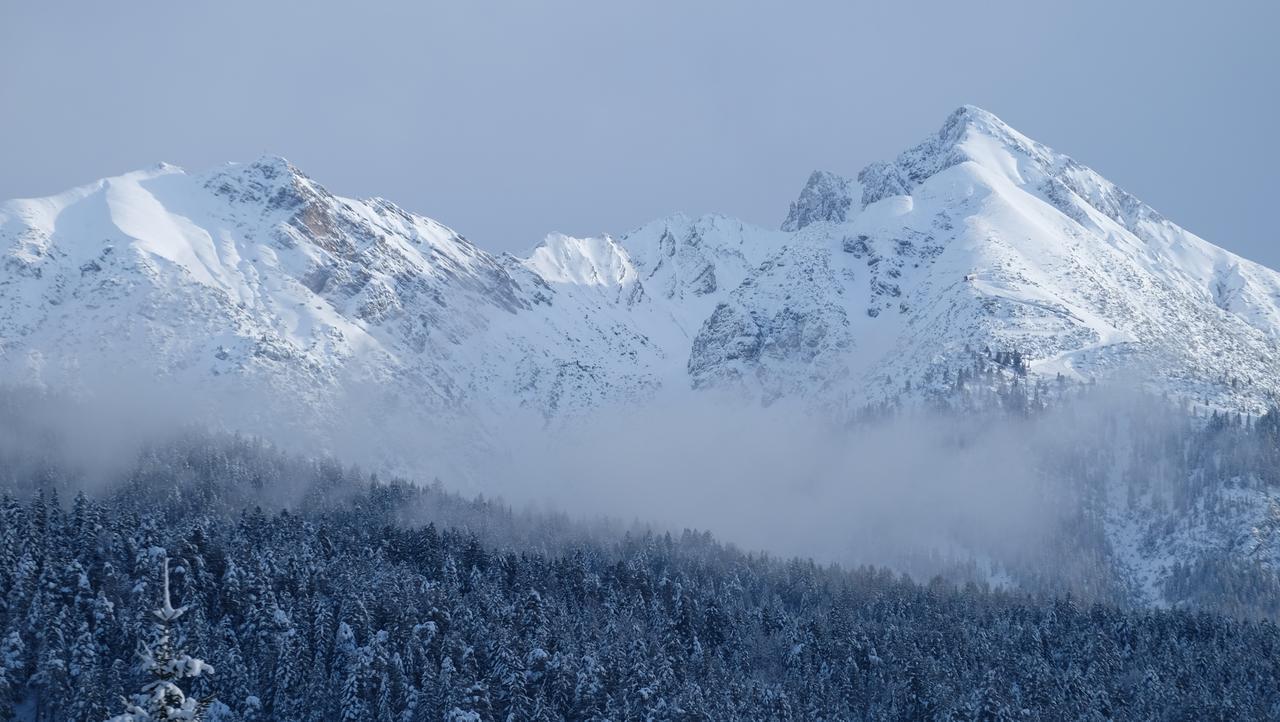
pixel 279 300
pixel 255 276
pixel 982 237
pixel 978 237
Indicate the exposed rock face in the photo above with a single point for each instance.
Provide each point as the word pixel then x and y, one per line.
pixel 825 197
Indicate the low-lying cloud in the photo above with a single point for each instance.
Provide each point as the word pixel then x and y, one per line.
pixel 780 479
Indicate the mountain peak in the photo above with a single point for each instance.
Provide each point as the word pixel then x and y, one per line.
pixel 275 165
pixel 829 197
pixel 270 180
pixel 969 134
pixel 591 261
pixel 971 116
pixel 825 197
pixel 266 168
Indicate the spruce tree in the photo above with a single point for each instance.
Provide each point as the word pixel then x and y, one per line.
pixel 163 699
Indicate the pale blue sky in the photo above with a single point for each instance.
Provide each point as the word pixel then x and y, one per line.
pixel 508 120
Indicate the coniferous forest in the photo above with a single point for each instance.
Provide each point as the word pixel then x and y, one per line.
pixel 350 598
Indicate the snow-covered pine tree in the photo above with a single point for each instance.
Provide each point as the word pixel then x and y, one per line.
pixel 162 699
pixel 11 669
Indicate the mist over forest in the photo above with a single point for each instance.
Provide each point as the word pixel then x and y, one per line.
pixel 1017 493
pixel 320 591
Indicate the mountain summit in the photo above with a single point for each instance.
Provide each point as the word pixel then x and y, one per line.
pixel 980 237
pixel 255 276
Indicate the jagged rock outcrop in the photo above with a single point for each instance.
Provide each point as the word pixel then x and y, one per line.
pixel 826 197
